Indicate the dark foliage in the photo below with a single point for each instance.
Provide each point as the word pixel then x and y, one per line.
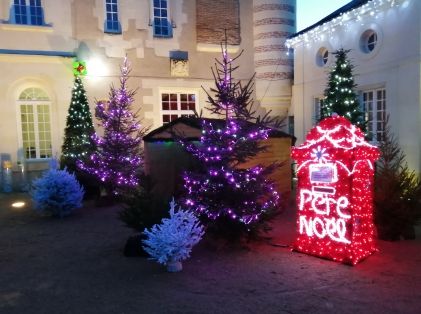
pixel 142 209
pixel 397 192
pixel 134 248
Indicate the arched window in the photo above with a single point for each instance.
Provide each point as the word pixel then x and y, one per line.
pixel 34 108
pixel 368 41
pixel 322 57
pixel 371 41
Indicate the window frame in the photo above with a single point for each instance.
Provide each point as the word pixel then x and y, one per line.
pixel 108 30
pixel 35 105
pixel 36 12
pixel 369 41
pixel 322 57
pixel 317 109
pixel 375 117
pixel 27 12
pixel 168 19
pixel 177 112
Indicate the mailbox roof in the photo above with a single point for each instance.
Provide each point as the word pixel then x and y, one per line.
pixel 339 134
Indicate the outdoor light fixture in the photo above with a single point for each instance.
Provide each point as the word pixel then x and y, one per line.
pixel 97 67
pixel 18 204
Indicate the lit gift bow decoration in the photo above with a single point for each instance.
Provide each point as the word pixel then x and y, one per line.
pixel 335 192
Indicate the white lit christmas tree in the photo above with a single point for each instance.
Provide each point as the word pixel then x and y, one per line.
pixel 78 143
pixel 340 95
pixel 173 239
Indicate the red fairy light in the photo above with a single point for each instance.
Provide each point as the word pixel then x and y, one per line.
pixel 335 192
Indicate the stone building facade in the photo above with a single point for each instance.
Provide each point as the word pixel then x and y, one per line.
pixel 171 44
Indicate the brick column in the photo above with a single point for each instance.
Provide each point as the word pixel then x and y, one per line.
pixel 274 21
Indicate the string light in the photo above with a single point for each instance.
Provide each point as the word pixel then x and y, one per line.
pixel 371 8
pixel 118 159
pixel 79 127
pixel 335 192
pixel 224 189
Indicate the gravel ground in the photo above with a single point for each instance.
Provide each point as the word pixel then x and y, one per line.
pixel 76 265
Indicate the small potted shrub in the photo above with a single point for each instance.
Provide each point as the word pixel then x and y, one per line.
pixel 57 193
pixel 171 241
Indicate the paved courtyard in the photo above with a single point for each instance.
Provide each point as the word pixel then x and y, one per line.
pixel 76 265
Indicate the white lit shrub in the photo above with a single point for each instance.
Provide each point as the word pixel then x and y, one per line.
pixel 173 239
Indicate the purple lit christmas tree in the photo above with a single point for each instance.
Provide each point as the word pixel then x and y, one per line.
pixel 118 160
pixel 231 199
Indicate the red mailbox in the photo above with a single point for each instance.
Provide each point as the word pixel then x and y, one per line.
pixel 335 170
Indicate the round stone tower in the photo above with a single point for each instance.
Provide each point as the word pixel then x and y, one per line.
pixel 274 21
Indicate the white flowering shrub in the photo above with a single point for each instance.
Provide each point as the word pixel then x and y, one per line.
pixel 173 239
pixel 57 192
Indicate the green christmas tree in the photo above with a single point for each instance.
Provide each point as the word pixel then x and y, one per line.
pixel 340 96
pixel 78 143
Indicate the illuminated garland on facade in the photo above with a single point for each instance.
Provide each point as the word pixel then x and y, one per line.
pixel 372 8
pixel 335 192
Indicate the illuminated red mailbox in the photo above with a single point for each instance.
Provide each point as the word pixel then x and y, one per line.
pixel 335 170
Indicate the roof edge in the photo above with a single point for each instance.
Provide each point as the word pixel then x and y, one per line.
pixel 342 10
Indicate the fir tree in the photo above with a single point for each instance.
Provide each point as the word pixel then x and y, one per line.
pixel 340 96
pixel 78 143
pixel 57 192
pixel 231 200
pixel 397 192
pixel 173 239
pixel 118 160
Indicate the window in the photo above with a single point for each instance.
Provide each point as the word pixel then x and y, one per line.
pixel 161 20
pixel 175 105
pixel 368 41
pixel 291 125
pixel 111 24
pixel 19 7
pixel 322 57
pixel 318 103
pixel 34 106
pixel 27 12
pixel 371 41
pixel 325 57
pixel 374 102
pixel 35 12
